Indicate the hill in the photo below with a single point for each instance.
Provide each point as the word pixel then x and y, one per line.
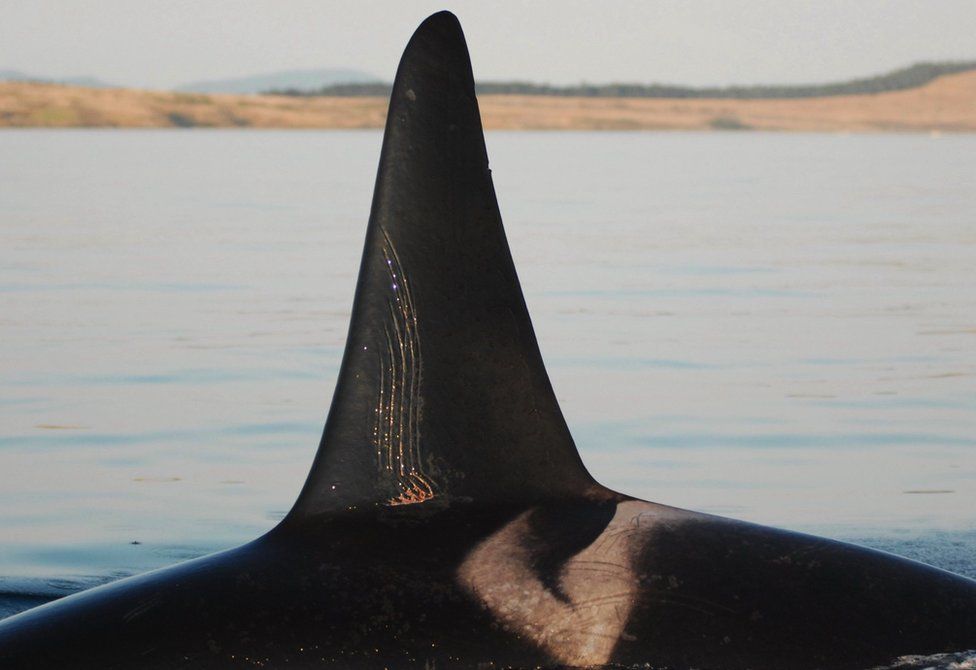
pixel 897 80
pixel 947 104
pixel 86 81
pixel 298 81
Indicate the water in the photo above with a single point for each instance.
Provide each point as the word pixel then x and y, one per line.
pixel 780 328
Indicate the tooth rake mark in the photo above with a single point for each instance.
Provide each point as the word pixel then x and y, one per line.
pixel 396 428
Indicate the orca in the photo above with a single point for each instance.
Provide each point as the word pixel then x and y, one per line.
pixel 448 520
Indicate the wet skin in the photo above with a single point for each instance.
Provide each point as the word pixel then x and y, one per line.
pixel 576 582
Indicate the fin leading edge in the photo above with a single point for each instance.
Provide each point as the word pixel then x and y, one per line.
pixel 442 390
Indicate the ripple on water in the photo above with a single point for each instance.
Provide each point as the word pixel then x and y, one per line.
pixel 714 345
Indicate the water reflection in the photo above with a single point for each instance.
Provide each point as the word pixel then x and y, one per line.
pixel 774 327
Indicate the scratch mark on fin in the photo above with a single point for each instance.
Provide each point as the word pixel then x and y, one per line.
pixel 396 426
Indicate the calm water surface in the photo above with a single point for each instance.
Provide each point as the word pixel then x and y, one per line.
pixel 780 328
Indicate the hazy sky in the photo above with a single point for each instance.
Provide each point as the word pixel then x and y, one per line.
pixel 697 42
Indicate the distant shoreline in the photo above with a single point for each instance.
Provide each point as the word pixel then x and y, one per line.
pixel 946 104
pixel 905 78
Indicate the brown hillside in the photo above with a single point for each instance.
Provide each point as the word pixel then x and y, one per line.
pixel 946 104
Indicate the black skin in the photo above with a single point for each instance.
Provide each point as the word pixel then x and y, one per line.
pixel 448 521
pixel 380 589
pixel 745 596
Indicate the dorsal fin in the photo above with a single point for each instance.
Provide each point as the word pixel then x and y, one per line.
pixel 442 391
